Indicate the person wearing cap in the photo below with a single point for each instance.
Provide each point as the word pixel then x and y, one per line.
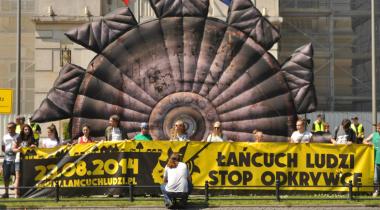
pixel 216 134
pixel 358 129
pixel 318 125
pixel 20 121
pixel 144 135
pixel 374 139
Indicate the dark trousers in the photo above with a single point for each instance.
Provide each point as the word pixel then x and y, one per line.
pixel 169 196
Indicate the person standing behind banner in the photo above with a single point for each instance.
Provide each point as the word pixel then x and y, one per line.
pixel 25 139
pixel 258 136
pixel 343 134
pixel 52 140
pixel 318 125
pixel 179 132
pixel 374 139
pixel 9 156
pixel 217 134
pixel 114 132
pixel 301 135
pixel 358 129
pixel 177 181
pixel 144 135
pixel 36 131
pixel 86 138
pixel 20 121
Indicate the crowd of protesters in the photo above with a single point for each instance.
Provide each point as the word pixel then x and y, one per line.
pixel 22 135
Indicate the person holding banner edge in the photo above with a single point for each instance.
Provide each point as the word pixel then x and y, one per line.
pixel 374 139
pixel 25 139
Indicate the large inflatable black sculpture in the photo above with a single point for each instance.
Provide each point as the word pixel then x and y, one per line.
pixel 184 65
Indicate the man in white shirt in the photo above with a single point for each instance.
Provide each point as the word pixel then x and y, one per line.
pixel 177 181
pixel 301 135
pixel 9 156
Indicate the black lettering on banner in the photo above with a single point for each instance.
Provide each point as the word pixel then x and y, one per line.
pixel 343 161
pixel 357 179
pixel 281 176
pixel 232 161
pixel 292 176
pixel 232 177
pixel 268 161
pixel 254 162
pixel 331 179
pixel 308 161
pixel 352 161
pixel 343 178
pixel 244 158
pixel 332 161
pixel 220 159
pixel 223 174
pixel 277 160
pixel 247 177
pixel 265 176
pixel 292 160
pixel 315 178
pixel 304 178
pixel 212 175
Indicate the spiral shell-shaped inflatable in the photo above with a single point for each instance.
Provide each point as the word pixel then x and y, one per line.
pixel 184 65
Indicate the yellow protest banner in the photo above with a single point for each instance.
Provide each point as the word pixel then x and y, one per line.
pixel 6 101
pixel 232 166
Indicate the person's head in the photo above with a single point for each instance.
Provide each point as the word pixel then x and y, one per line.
pixel 11 127
pixel 144 128
pixel 346 123
pixel 86 130
pixel 179 127
pixel 355 120
pixel 26 130
pixel 259 135
pixel 52 132
pixel 20 120
pixel 217 128
pixel 174 160
pixel 378 127
pixel 114 121
pixel 319 118
pixel 300 125
pixel 326 127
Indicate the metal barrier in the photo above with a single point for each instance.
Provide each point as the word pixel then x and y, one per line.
pixel 207 195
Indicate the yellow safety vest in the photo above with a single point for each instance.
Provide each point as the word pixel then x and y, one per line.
pixel 318 126
pixel 18 129
pixel 360 132
pixel 36 135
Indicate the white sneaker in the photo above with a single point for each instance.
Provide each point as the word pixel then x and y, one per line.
pixel 376 193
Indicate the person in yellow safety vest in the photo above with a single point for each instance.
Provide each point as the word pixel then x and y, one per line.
pixel 36 130
pixel 20 121
pixel 358 129
pixel 318 124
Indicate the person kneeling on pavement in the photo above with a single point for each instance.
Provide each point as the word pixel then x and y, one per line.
pixel 177 182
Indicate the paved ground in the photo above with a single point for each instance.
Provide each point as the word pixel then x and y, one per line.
pixel 241 208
